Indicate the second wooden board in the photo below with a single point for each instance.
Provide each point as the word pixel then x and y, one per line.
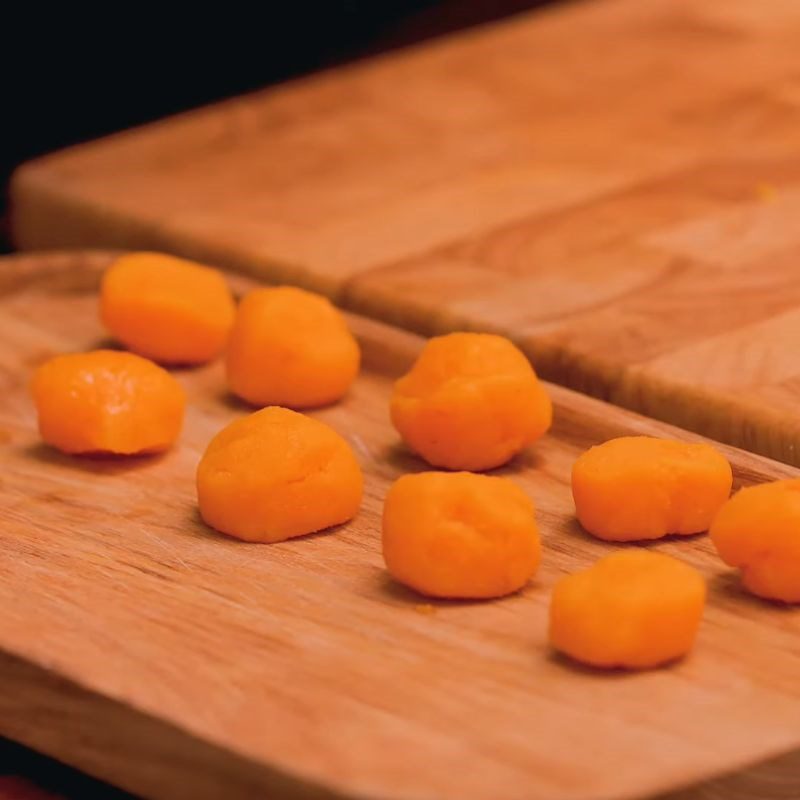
pixel 144 648
pixel 630 219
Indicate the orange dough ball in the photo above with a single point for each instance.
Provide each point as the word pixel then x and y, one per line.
pixel 758 531
pixel 634 609
pixel 277 474
pixel 107 402
pixel 165 308
pixel 290 348
pixel 638 487
pixel 471 401
pixel 459 535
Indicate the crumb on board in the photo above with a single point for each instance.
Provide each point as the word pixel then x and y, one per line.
pixel 424 608
pixel 766 192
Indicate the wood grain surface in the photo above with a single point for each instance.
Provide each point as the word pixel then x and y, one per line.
pixel 143 648
pixel 614 183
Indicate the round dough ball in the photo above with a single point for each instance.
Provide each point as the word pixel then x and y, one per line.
pixel 290 348
pixel 758 531
pixel 277 474
pixel 460 535
pixel 639 487
pixel 471 401
pixel 165 308
pixel 634 609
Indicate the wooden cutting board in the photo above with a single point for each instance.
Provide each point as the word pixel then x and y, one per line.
pixel 614 183
pixel 138 645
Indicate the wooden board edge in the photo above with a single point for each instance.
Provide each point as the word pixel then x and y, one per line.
pixel 128 748
pixel 776 778
pixel 748 425
pixel 45 217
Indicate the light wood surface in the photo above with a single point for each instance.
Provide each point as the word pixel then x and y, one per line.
pixel 151 652
pixel 615 183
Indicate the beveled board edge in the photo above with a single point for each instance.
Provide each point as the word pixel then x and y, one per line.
pixel 44 215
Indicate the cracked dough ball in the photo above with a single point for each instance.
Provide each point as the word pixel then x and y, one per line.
pixel 277 474
pixel 107 402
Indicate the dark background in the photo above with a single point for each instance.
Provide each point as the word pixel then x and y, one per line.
pixel 69 76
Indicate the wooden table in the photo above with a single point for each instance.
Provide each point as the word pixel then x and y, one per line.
pixel 614 183
pixel 179 663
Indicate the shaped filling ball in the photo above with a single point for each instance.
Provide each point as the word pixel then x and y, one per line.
pixel 638 487
pixel 290 348
pixel 633 609
pixel 471 401
pixel 459 535
pixel 165 308
pixel 277 474
pixel 758 531
pixel 107 402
